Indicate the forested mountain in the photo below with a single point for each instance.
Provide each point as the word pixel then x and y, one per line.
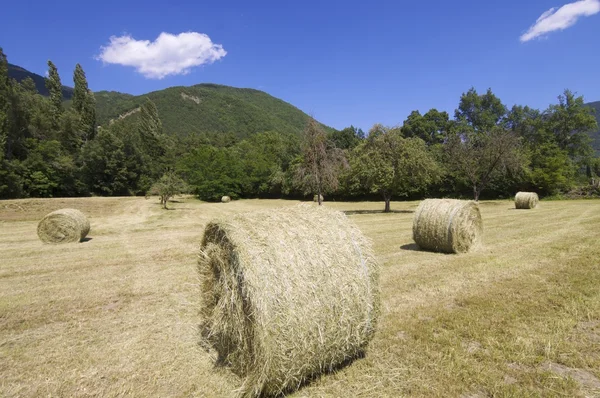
pixel 19 74
pixel 207 108
pixel 596 135
pixel 214 140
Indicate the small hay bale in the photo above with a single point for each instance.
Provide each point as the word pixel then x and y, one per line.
pixel 526 200
pixel 447 225
pixel 282 307
pixel 225 199
pixel 63 226
pixel 316 198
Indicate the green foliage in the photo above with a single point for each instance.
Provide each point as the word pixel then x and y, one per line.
pixel 212 172
pixel 480 112
pixel 347 138
pixel 264 157
pixel 39 82
pixel 54 87
pixel 84 104
pixel 570 121
pixel 105 165
pixel 169 185
pixel 208 109
pixel 432 127
pixel 391 165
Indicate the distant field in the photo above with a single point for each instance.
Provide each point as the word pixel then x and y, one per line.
pixel 117 315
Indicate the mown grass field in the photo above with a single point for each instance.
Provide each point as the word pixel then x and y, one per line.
pixel 117 315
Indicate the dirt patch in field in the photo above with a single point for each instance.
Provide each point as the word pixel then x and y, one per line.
pixel 590 329
pixel 583 377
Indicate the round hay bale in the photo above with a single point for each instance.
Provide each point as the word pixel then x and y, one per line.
pixel 63 226
pixel 225 199
pixel 447 225
pixel 316 198
pixel 282 307
pixel 526 200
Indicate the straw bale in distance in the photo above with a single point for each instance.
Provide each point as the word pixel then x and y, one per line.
pixel 447 225
pixel 63 226
pixel 225 199
pixel 526 200
pixel 316 198
pixel 282 307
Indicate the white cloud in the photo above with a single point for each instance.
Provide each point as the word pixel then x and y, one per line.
pixel 562 18
pixel 168 55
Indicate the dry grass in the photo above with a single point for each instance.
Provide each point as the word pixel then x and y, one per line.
pixel 63 226
pixel 281 308
pixel 448 225
pixel 526 200
pixel 118 315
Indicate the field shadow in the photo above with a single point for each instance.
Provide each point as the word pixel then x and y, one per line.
pixel 411 247
pixel 221 362
pixel 353 212
pixel 85 240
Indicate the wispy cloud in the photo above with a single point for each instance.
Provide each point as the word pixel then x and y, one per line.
pixel 167 55
pixel 561 18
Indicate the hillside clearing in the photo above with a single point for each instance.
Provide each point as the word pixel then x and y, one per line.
pixel 118 315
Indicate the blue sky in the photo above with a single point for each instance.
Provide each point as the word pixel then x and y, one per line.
pixel 345 62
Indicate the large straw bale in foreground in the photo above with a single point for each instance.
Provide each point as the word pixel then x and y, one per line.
pixel 526 200
pixel 63 226
pixel 225 199
pixel 447 225
pixel 286 294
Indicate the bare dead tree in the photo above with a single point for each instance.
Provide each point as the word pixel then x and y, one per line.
pixel 319 169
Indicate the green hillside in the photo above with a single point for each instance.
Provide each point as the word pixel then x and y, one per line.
pixel 207 108
pixel 19 74
pixel 596 135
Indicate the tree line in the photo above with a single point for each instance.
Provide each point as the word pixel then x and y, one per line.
pixel 53 148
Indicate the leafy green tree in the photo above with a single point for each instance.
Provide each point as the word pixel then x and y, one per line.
pixel 431 127
pixel 320 164
pixel 54 87
pixel 212 172
pixel 264 156
pixel 480 112
pixel 389 164
pixel 105 165
pixel 347 138
pixel 569 121
pixel 169 185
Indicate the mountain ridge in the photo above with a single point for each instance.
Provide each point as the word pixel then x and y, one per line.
pixel 19 74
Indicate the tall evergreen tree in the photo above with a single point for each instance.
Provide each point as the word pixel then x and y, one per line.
pixel 150 124
pixel 80 90
pixel 54 87
pixel 84 104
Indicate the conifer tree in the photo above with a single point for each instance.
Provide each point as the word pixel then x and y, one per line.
pixel 54 87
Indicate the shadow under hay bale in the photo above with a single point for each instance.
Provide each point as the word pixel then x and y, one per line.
pixel 283 308
pixel 225 199
pixel 447 225
pixel 526 200
pixel 63 226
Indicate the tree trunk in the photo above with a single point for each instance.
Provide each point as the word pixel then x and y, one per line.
pixel 476 193
pixel 387 199
pixel 319 198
